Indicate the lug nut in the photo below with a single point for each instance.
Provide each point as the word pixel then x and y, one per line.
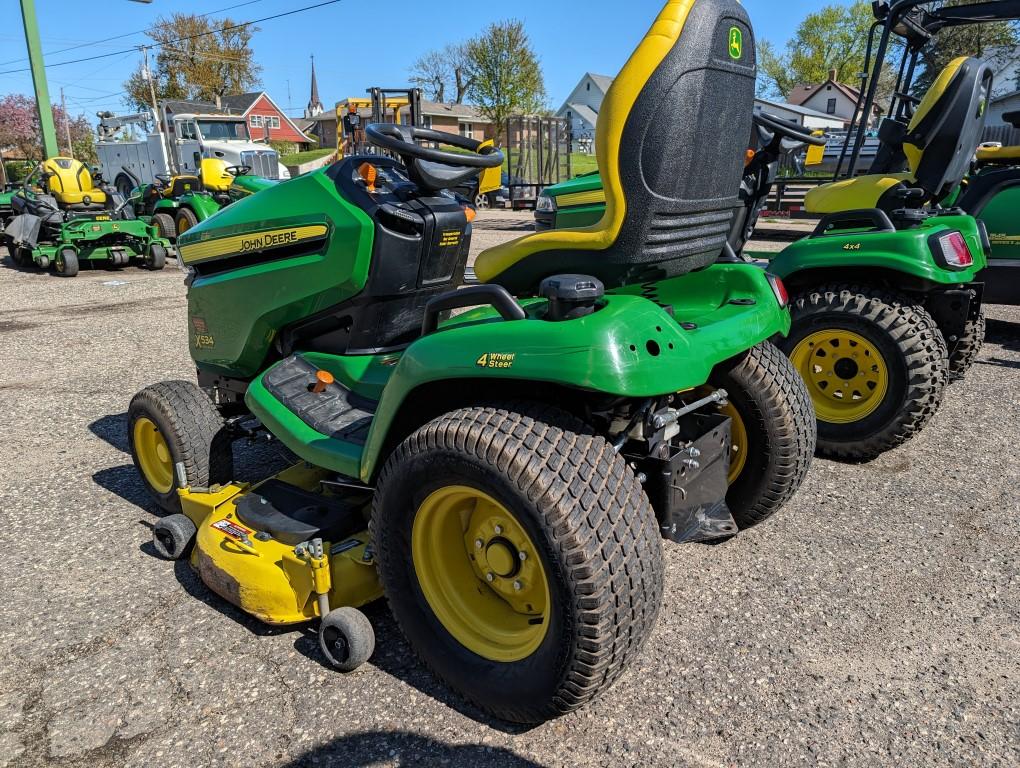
pixel 498 529
pixel 490 576
pixel 523 556
pixel 518 586
pixel 479 543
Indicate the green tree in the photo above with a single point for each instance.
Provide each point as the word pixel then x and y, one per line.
pixel 505 72
pixel 833 38
pixel 996 42
pixel 196 58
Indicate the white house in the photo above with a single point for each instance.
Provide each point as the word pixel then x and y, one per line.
pixel 1005 63
pixel 581 109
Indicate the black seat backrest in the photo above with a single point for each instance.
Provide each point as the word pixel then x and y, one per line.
pixel 670 138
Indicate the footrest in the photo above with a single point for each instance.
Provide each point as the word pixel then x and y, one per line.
pixel 336 412
pixel 292 515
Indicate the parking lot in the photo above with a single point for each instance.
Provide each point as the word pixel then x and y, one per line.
pixel 875 621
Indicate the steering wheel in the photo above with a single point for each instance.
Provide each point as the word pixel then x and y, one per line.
pixel 162 178
pixel 401 139
pixel 238 170
pixel 788 136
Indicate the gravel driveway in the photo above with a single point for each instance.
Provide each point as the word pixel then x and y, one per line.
pixel 874 622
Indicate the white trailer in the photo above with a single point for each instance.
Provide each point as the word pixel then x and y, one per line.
pixel 128 162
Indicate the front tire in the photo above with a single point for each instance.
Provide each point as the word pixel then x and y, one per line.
pixel 174 422
pixel 66 263
pixel 875 363
pixel 520 557
pixel 774 432
pixel 155 260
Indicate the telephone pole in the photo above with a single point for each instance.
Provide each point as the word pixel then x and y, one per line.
pixel 42 94
pixel 67 123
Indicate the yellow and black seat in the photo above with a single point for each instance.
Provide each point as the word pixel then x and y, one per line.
pixel 936 148
pixel 182 185
pixel 670 140
pixel 70 183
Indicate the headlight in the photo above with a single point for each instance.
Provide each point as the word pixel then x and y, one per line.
pixel 546 203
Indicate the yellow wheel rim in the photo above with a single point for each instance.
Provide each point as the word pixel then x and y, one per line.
pixel 153 455
pixel 738 435
pixel 480 573
pixel 845 373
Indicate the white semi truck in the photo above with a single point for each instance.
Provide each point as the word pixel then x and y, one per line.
pixel 176 145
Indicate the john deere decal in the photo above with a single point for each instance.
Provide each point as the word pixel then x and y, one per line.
pixel 736 43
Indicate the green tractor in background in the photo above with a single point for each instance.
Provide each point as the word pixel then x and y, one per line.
pixel 175 204
pixel 886 301
pixel 60 218
pixel 504 476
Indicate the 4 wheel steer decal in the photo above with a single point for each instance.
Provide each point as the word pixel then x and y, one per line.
pixel 496 360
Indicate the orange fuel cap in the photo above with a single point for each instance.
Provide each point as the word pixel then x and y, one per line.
pixel 368 172
pixel 748 157
pixel 470 213
pixel 322 380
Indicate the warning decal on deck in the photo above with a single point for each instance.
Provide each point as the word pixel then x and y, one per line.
pixel 232 529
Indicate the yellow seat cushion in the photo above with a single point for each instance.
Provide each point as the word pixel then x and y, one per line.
pixel 852 194
pixel 616 107
pixel 998 154
pixel 77 197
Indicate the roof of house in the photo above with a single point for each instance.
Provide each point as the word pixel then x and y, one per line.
pixel 242 102
pixel 602 81
pixel 803 92
pixel 1006 97
pixel 238 105
pixel 583 111
pixel 440 109
pixel 799 110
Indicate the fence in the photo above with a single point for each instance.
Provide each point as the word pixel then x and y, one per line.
pixel 537 151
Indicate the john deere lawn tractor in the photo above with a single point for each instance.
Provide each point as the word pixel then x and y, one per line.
pixel 886 306
pixel 503 476
pixel 61 219
pixel 177 203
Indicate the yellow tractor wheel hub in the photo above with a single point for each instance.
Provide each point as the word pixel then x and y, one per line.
pixel 738 438
pixel 153 455
pixel 845 373
pixel 480 573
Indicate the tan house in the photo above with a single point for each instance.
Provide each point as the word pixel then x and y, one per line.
pixel 830 98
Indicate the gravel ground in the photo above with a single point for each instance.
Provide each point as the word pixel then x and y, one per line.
pixel 873 622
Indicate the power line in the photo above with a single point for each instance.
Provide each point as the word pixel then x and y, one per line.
pixel 126 34
pixel 180 40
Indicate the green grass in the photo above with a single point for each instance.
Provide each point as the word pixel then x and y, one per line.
pixel 581 164
pixel 297 158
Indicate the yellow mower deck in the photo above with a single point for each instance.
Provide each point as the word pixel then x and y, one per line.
pixel 272 581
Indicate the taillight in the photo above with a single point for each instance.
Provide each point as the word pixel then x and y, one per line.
pixel 782 296
pixel 952 251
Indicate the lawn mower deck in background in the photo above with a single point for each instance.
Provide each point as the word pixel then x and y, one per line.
pixel 886 301
pixel 504 476
pixel 175 204
pixel 61 219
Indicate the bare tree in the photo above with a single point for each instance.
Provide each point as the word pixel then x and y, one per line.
pixel 460 62
pixel 431 72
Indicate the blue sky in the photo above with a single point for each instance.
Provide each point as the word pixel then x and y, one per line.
pixel 356 44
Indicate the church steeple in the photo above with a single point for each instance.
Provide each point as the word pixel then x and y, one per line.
pixel 314 107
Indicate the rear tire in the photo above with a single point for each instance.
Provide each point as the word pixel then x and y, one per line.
pixel 969 347
pixel 186 219
pixel 896 382
pixel 777 426
pixel 174 422
pixel 165 225
pixel 594 541
pixel 66 262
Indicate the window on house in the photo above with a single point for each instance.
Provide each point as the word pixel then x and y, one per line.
pixel 587 86
pixel 466 129
pixel 274 122
pixel 256 121
pixel 426 121
pixel 830 108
